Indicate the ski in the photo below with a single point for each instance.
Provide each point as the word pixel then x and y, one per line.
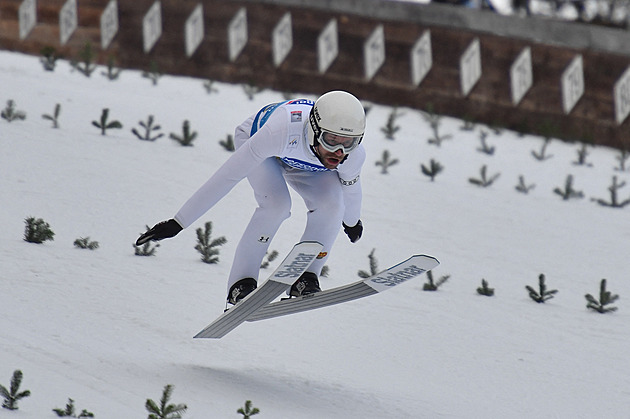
pixel 387 279
pixel 296 262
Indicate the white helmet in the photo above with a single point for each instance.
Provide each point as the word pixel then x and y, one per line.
pixel 338 113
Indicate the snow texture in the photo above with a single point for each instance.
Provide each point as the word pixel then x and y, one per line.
pixel 110 329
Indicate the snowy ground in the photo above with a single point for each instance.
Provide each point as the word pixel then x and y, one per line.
pixel 110 329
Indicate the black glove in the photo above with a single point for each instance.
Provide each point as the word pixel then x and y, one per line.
pixel 162 230
pixel 354 233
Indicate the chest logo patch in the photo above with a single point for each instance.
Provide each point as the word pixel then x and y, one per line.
pixel 296 116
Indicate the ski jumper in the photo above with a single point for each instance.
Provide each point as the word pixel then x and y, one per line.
pixel 272 151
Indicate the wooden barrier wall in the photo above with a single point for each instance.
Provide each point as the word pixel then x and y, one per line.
pixel 591 114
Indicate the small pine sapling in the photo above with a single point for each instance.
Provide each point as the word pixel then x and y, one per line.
pixel 390 129
pixel 228 143
pixel 209 86
pixel 496 128
pixel 622 157
pixel 522 187
pixel 85 243
pixel 437 138
pixel 165 410
pixel 270 258
pixel 83 64
pixel 367 106
pixel 149 130
pixel 104 125
pixel 49 58
pixel 251 90
pixel 147 249
pixel 582 153
pixel 522 128
pixel 485 148
pixel 542 154
pixel 543 294
pixel 385 162
pixel 37 231
pixel 434 121
pixel 373 266
pixel 248 410
pixel 614 200
pixel 187 136
pixel 468 123
pixel 484 289
pixel 432 170
pixel 432 285
pixel 10 113
pixel 208 248
pixel 484 180
pixel 69 411
pixel 153 73
pixel 605 298
pixel 13 394
pixel 568 192
pixel 112 72
pixel 54 118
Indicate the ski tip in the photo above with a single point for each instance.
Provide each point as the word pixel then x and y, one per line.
pixel 204 335
pixel 309 242
pixel 426 257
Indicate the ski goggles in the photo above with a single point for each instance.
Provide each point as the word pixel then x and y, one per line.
pixel 333 142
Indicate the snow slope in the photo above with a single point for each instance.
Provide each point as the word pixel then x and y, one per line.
pixel 110 329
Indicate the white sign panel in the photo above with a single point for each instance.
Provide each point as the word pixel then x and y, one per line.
pixel 621 92
pixel 152 26
pixel 521 75
pixel 374 52
pixel 327 46
pixel 109 23
pixel 27 17
pixel 421 58
pixel 237 34
pixel 194 31
pixel 282 39
pixel 572 84
pixel 470 67
pixel 68 21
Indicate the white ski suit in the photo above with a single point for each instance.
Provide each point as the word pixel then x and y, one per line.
pixel 272 151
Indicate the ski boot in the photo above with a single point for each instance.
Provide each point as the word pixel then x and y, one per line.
pixel 241 289
pixel 306 284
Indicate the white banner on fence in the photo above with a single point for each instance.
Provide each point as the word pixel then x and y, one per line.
pixel 237 33
pixel 470 67
pixel 152 26
pixel 374 52
pixel 282 39
pixel 621 92
pixel 421 58
pixel 572 84
pixel 194 31
pixel 521 75
pixel 109 23
pixel 327 46
pixel 68 21
pixel 27 17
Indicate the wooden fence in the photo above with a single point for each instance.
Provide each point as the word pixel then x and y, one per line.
pixel 552 78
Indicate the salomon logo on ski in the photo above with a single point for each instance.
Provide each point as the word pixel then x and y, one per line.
pixel 391 279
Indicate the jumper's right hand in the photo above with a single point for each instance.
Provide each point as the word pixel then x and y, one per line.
pixel 354 232
pixel 162 230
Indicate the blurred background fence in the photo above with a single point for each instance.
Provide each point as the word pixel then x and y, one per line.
pixel 531 74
